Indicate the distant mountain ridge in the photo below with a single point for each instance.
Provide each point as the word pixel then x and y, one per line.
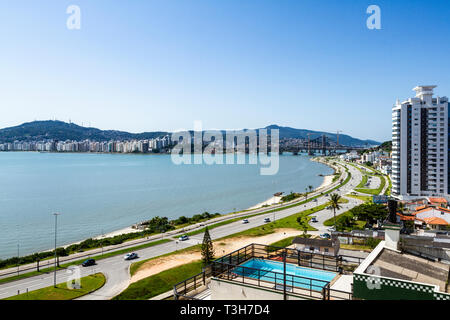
pixel 59 130
pixel 287 132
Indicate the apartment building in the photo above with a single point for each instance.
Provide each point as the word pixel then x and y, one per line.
pixel 420 145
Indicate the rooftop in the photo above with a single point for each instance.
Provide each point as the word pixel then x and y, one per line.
pixel 437 200
pixel 409 267
pixel 314 242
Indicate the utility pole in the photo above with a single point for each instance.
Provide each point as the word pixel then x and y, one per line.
pixel 102 241
pixel 56 224
pixel 18 258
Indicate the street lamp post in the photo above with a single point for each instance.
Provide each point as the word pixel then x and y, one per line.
pixel 18 259
pixel 56 223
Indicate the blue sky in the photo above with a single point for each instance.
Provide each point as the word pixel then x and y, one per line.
pixel 160 65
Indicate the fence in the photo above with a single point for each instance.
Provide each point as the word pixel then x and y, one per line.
pixel 304 259
pixel 188 288
pixel 230 268
pixel 333 294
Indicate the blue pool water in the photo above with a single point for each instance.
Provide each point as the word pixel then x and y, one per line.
pixel 295 276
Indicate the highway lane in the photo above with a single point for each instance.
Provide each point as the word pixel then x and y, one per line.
pixel 116 268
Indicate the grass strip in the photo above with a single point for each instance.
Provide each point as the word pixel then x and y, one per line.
pixel 363 182
pixel 159 283
pixel 283 242
pixel 89 284
pixel 97 257
pixel 366 199
pixel 374 191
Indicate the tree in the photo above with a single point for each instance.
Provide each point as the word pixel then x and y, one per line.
pixel 370 212
pixel 207 248
pixel 334 205
pixel 303 222
pixel 310 188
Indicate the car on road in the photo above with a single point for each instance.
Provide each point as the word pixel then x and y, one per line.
pixel 314 219
pixel 183 238
pixel 266 219
pixel 245 221
pixel 130 256
pixel 331 229
pixel 88 262
pixel 325 236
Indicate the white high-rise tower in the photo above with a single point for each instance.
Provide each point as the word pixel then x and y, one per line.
pixel 420 145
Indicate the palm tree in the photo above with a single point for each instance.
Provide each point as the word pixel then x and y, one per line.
pixel 310 188
pixel 334 204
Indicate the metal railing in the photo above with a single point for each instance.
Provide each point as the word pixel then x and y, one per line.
pixel 301 258
pixel 334 294
pixel 229 267
pixel 188 288
pixel 278 281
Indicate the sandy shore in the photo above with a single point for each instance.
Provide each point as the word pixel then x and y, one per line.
pixel 327 180
pixel 118 232
pixel 221 247
pixel 273 200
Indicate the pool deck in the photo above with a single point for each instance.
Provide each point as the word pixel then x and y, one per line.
pixel 343 283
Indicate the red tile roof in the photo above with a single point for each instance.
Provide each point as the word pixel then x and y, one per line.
pixel 437 200
pixel 422 210
pixel 435 221
pixel 405 218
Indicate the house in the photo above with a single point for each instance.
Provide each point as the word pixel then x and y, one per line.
pixel 438 202
pixel 434 217
pixel 437 218
pixel 323 246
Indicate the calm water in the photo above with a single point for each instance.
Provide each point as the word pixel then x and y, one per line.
pixel 95 192
pixel 267 270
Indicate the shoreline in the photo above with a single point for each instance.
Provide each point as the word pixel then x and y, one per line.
pixel 327 180
pixel 268 202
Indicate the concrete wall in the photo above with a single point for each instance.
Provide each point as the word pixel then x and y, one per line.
pixel 392 237
pixel 229 290
pixel 429 252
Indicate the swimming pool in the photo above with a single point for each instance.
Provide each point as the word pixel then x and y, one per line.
pixel 295 276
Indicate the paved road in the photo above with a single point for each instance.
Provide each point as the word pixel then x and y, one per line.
pixel 116 269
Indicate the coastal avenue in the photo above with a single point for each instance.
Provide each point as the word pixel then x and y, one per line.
pixel 116 269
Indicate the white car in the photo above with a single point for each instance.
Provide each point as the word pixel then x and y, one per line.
pixel 130 256
pixel 245 221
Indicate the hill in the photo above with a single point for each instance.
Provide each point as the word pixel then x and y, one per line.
pixel 59 130
pixel 287 132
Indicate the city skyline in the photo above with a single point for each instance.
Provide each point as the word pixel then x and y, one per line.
pixel 160 66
